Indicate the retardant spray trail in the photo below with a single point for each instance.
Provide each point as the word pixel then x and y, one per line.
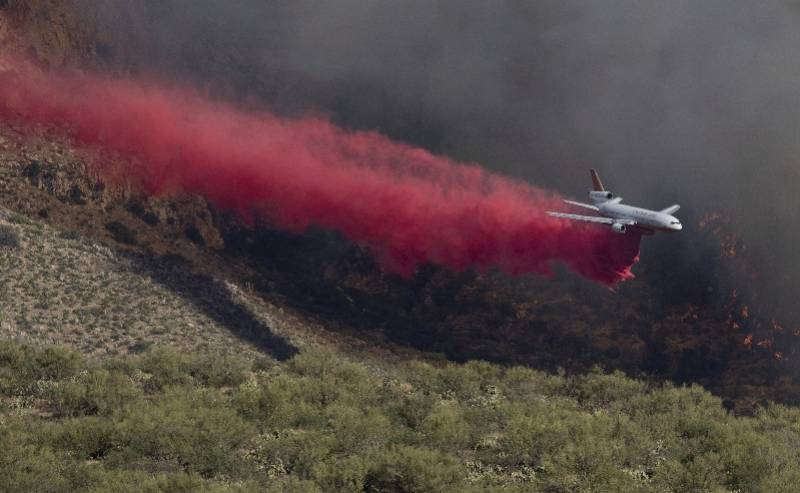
pixel 407 205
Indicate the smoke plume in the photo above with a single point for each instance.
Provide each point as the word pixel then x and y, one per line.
pixel 680 101
pixel 407 205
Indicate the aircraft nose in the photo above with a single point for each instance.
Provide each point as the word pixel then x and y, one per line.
pixel 677 227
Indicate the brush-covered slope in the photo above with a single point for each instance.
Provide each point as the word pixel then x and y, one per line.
pixel 207 356
pixel 168 420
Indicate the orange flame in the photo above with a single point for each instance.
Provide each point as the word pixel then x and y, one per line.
pixel 766 343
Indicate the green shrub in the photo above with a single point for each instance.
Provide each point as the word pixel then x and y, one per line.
pixel 195 430
pixel 167 420
pixel 15 218
pixel 140 347
pixel 56 363
pixel 356 430
pixel 598 390
pixel 21 365
pixel 96 391
pixel 410 405
pixel 345 474
pixel 412 469
pixel 220 371
pixel 446 427
pixel 532 432
pixel 26 467
pixel 165 366
pixel 298 452
pixel 87 438
pixel 70 234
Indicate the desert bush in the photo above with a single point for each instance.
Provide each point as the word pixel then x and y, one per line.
pixel 138 210
pixel 15 370
pixel 196 430
pixel 279 401
pixel 166 420
pixel 299 452
pixel 122 233
pixel 8 237
pixel 75 195
pixel 70 234
pixel 88 438
pixel 345 474
pixel 22 365
pixel 356 430
pixel 57 362
pixel 166 366
pixel 220 370
pixel 411 406
pixel 413 469
pixel 95 391
pixel 599 390
pixel 33 169
pixel 15 218
pixel 446 428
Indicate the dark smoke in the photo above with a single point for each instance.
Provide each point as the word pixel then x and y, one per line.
pixel 409 206
pixel 687 101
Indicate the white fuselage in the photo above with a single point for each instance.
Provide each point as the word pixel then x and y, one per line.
pixel 644 217
pixel 611 212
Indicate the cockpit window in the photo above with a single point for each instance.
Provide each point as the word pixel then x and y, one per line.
pixel 674 222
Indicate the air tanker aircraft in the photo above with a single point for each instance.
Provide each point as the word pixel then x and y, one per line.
pixel 621 217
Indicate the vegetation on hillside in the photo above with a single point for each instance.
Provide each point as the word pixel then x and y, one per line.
pixel 59 287
pixel 165 420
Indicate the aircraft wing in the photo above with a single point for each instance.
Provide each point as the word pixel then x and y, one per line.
pixel 581 204
pixel 592 219
pixel 578 217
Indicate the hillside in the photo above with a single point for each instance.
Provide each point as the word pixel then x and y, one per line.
pixel 60 288
pixel 699 322
pixel 174 421
pixel 188 381
pixel 155 343
pixel 308 368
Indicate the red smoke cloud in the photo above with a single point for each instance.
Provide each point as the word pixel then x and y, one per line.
pixel 407 205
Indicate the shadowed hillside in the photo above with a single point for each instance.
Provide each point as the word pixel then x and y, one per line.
pixel 563 323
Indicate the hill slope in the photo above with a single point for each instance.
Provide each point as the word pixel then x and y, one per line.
pixel 224 358
pixel 207 354
pixel 60 288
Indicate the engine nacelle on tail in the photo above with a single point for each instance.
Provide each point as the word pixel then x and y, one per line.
pixel 599 197
pixel 619 228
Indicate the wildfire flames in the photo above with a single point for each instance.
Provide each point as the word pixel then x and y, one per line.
pixel 743 310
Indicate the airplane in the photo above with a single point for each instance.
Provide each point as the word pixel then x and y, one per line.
pixel 622 217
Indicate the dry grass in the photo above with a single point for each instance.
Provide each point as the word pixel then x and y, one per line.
pixel 61 288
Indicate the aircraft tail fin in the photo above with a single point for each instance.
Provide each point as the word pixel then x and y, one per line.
pixel 671 209
pixel 596 183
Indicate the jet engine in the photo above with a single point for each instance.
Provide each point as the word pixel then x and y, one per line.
pixel 600 196
pixel 619 228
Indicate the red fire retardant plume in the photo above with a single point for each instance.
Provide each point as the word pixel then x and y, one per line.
pixel 407 205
